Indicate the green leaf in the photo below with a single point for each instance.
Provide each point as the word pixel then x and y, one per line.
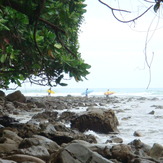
pixel 3 58
pixel 58 46
pixel 12 56
pixel 39 38
pixel 62 84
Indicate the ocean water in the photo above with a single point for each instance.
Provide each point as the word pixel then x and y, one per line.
pixel 64 91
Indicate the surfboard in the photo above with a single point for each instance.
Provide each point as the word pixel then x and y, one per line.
pixel 88 91
pixel 50 91
pixel 109 93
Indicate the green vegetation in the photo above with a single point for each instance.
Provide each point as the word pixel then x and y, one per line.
pixel 39 41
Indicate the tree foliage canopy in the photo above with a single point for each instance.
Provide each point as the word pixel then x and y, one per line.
pixel 39 41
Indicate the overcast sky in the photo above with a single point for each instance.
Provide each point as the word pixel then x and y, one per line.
pixel 116 50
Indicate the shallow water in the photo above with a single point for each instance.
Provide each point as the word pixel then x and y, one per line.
pixel 133 115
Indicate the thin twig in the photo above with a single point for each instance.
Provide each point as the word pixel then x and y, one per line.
pixel 132 20
pixel 145 52
pixel 54 27
pixel 120 10
pixel 113 8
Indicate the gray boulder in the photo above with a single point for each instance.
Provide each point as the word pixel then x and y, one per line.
pixel 9 142
pixel 12 135
pixel 156 151
pixel 2 94
pixel 38 140
pixel 98 120
pixel 47 115
pixel 139 148
pixel 7 121
pixel 60 134
pixel 78 153
pixel 36 151
pixel 7 148
pixel 122 153
pixel 16 96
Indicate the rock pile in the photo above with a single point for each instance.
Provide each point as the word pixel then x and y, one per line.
pixel 45 139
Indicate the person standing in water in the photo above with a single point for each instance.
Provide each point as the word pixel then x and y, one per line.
pixel 86 93
pixel 49 91
pixel 107 95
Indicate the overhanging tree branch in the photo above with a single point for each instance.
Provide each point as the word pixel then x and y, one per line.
pixel 120 10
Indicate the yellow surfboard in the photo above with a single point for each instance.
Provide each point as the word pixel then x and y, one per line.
pixel 109 93
pixel 50 91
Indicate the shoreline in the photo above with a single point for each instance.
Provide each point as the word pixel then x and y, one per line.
pixel 66 120
pixel 133 114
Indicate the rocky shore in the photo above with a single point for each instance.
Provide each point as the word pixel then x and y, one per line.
pixel 47 130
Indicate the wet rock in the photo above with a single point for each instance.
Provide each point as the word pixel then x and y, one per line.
pixel 156 151
pixel 16 96
pixel 157 106
pixel 126 118
pixel 11 135
pixel 36 102
pixel 89 138
pixel 142 99
pixel 10 106
pixel 37 151
pixel 114 139
pixel 67 116
pixel 2 94
pixel 7 121
pixel 2 104
pixel 100 149
pixel 61 127
pixel 28 129
pixel 139 148
pixel 8 148
pixel 38 140
pixel 152 112
pixel 154 99
pixel 47 115
pixel 76 152
pixel 137 133
pixel 20 105
pixel 50 145
pixel 60 137
pixel 102 121
pixel 122 153
pixel 9 142
pixel 61 134
pixel 48 129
